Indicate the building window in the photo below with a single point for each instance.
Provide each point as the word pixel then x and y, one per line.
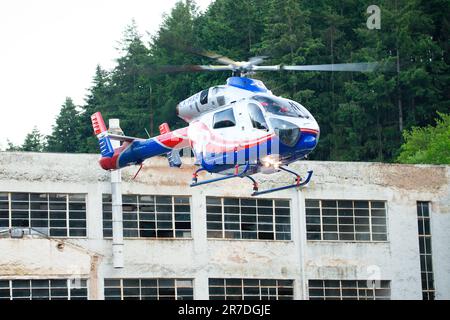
pixel 149 289
pixel 426 263
pixel 44 289
pixel 349 289
pixel 147 216
pixel 346 220
pixel 53 214
pixel 235 218
pixel 251 289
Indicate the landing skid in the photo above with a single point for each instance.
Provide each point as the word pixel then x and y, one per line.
pixel 298 183
pixel 235 175
pixel 298 180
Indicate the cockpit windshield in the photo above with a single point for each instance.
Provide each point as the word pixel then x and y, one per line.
pixel 282 107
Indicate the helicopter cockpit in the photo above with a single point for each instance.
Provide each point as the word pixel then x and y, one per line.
pixel 287 130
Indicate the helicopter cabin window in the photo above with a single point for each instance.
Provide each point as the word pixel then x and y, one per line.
pixel 204 96
pixel 224 119
pixel 257 117
pixel 282 107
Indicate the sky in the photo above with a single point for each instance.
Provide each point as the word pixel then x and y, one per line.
pixel 49 50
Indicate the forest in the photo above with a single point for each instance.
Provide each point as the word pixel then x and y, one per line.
pixel 362 116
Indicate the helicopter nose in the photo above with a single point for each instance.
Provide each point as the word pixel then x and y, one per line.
pixel 309 141
pixel 310 137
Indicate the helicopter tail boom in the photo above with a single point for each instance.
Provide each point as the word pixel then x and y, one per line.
pixel 134 150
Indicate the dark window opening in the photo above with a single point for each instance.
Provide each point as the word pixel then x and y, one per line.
pixel 204 96
pixel 257 117
pixel 224 119
pixel 426 264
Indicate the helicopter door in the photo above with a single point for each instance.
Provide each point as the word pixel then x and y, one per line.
pixel 227 124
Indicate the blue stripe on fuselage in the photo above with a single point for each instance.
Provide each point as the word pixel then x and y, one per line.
pixel 139 150
pixel 217 162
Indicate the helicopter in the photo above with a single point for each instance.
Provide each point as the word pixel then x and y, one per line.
pixel 235 130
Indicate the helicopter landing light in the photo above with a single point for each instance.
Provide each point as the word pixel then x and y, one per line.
pixel 271 161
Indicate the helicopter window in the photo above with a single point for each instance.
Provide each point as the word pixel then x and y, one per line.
pixel 204 96
pixel 257 117
pixel 288 133
pixel 221 100
pixel 224 119
pixel 282 107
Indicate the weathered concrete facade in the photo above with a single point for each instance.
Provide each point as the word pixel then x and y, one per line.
pixel 200 258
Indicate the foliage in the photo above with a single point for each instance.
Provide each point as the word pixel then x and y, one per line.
pixel 429 144
pixel 65 134
pixel 361 115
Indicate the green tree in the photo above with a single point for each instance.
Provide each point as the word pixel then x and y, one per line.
pixel 34 141
pixel 65 133
pixel 97 100
pixel 11 146
pixel 360 114
pixel 429 144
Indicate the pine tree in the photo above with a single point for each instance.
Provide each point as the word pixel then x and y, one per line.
pixel 65 134
pixel 97 100
pixel 34 141
pixel 360 114
pixel 11 146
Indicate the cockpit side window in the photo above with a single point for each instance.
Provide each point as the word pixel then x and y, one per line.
pixel 204 96
pixel 224 119
pixel 257 117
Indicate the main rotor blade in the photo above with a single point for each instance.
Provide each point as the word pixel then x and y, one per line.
pixel 186 68
pixel 266 68
pixel 256 60
pixel 358 67
pixel 211 55
pixel 218 57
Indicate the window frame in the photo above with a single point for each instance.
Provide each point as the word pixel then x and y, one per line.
pixel 426 275
pixel 140 287
pixel 29 202
pixel 258 217
pixel 138 212
pixel 70 295
pixel 239 286
pixel 354 225
pixel 359 290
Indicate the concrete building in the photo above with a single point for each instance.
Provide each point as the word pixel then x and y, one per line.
pixel 357 231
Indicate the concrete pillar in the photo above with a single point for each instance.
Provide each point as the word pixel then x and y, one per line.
pixel 198 225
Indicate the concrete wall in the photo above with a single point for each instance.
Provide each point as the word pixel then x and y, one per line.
pixel 201 258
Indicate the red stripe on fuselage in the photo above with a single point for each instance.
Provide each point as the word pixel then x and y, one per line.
pixel 309 130
pixel 174 139
pixel 198 133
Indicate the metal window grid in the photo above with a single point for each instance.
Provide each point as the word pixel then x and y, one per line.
pixel 151 216
pixel 43 289
pixel 53 214
pixel 250 289
pixel 346 220
pixel 349 289
pixel 426 261
pixel 244 218
pixel 148 289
